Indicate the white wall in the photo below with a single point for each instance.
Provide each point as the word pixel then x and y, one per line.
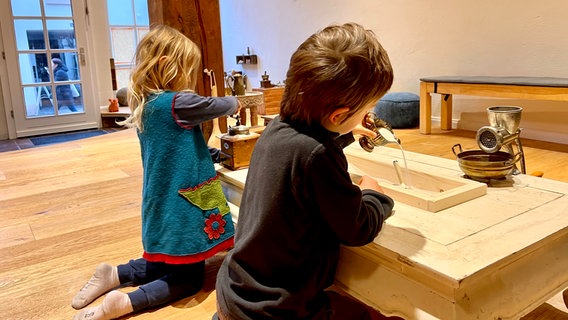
pixel 423 38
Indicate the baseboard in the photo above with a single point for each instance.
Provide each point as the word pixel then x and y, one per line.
pixel 57 129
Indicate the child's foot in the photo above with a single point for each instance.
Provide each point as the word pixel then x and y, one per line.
pixel 104 279
pixel 115 305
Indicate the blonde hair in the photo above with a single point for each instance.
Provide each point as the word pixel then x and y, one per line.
pixel 339 66
pixel 165 60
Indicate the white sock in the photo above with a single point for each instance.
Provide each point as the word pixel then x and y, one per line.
pixel 116 304
pixel 104 279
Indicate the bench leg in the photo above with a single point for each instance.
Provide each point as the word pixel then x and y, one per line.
pixel 425 109
pixel 446 112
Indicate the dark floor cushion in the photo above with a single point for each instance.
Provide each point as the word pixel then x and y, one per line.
pixel 122 96
pixel 399 109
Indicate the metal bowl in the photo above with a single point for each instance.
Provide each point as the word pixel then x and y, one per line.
pixel 240 129
pixel 480 165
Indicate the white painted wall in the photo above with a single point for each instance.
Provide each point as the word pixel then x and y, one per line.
pixel 423 38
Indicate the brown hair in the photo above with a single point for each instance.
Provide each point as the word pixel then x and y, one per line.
pixel 339 66
pixel 165 59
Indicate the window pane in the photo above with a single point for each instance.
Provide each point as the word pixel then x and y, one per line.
pixel 34 68
pixel 27 8
pixel 29 34
pixel 123 45
pixel 38 101
pixel 76 92
pixel 66 66
pixel 120 13
pixel 61 34
pixel 58 8
pixel 142 32
pixel 65 99
pixel 141 8
pixel 122 77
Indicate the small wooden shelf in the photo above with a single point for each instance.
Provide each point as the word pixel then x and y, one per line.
pixel 108 119
pixel 122 112
pixel 247 59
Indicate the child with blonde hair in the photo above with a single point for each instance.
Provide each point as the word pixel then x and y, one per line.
pixel 185 216
pixel 292 224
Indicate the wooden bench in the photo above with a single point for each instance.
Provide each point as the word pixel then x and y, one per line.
pixel 529 88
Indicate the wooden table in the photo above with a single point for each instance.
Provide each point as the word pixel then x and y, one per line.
pixel 497 256
pixel 530 88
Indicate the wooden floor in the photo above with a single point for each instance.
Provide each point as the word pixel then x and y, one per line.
pixel 65 208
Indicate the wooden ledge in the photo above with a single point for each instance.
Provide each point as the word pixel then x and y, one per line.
pixel 122 112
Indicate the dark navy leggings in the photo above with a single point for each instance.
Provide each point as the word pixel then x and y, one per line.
pixel 159 282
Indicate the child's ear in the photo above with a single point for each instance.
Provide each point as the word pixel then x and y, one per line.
pixel 338 115
pixel 162 59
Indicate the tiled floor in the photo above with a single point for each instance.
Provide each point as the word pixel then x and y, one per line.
pixel 26 143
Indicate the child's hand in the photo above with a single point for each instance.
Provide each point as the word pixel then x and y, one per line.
pixel 370 183
pixel 361 130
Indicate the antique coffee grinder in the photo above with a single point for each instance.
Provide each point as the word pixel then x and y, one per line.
pixel 265 82
pixel 503 132
pixel 237 146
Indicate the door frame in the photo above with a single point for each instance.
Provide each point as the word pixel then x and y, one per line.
pixel 5 99
pixel 91 117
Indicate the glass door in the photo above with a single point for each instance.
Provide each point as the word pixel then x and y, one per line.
pixel 47 74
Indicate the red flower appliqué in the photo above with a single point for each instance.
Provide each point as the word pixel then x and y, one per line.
pixel 214 226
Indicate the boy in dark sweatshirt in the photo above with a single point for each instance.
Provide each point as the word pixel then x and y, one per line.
pixel 299 203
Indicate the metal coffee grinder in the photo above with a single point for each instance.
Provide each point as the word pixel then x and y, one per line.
pixel 503 132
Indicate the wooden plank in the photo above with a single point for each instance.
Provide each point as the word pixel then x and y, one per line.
pixel 503 91
pixel 122 112
pixel 431 192
pixel 15 234
pixel 61 183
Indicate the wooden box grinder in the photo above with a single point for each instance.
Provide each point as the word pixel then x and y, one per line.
pixel 236 150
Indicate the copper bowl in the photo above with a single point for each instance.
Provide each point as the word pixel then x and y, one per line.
pixel 480 165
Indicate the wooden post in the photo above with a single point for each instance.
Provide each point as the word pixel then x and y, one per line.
pixel 200 21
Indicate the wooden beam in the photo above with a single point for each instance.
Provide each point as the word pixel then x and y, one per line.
pixel 200 21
